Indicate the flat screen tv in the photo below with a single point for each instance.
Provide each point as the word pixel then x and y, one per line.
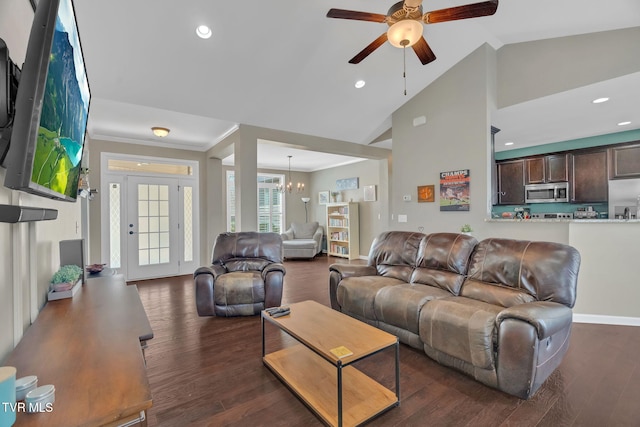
pixel 52 107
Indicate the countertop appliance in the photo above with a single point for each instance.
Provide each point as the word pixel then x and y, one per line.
pixel 557 192
pixel 586 213
pixel 551 215
pixel 623 198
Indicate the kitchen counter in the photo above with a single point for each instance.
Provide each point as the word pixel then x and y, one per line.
pixel 556 220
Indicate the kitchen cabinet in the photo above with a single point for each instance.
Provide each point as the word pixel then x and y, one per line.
pixel 511 182
pixel 545 169
pixel 624 162
pixel 589 177
pixel 535 170
pixel 557 167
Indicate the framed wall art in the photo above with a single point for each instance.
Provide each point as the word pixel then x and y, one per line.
pixel 369 193
pixel 454 190
pixel 426 193
pixel 323 197
pixel 347 184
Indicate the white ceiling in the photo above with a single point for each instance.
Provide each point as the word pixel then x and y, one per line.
pixel 281 64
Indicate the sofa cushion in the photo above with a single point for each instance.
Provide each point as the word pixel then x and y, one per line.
pixel 548 271
pixel 400 305
pixel 443 260
pixel 495 294
pixel 357 294
pixel 304 230
pixel 238 288
pixel 299 244
pixel 461 327
pixel 394 253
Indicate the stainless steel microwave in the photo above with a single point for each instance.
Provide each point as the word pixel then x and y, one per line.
pixel 556 192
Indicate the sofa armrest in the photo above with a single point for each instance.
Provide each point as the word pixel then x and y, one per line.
pixel 273 267
pixel 273 277
pixel 352 270
pixel 337 272
pixel 204 278
pixel 546 317
pixel 287 235
pixel 215 270
pixel 317 236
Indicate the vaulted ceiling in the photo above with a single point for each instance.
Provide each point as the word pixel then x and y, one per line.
pixel 282 64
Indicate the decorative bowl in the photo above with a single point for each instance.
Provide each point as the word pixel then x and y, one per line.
pixel 95 268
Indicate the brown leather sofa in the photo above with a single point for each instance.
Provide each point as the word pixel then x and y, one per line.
pixel 498 310
pixel 245 277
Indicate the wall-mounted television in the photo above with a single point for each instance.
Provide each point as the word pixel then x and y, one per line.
pixel 51 109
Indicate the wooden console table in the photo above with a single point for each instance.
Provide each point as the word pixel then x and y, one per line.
pixel 89 348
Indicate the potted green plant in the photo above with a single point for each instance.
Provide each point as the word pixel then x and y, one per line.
pixel 466 229
pixel 65 278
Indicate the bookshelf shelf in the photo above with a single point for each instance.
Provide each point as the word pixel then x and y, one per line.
pixel 343 230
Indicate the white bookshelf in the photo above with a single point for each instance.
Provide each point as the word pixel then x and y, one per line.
pixel 343 237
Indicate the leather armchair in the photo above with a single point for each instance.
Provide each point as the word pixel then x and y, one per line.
pixel 245 276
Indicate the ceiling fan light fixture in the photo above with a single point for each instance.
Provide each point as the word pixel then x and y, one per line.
pixel 160 132
pixel 405 33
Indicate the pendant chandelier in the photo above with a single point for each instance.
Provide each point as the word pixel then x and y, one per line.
pixel 289 186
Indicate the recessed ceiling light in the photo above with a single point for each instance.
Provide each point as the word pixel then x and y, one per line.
pixel 203 32
pixel 360 84
pixel 600 100
pixel 624 123
pixel 508 143
pixel 160 132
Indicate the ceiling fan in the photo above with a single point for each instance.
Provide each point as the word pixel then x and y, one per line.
pixel 405 20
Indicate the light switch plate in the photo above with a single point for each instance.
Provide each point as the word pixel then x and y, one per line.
pixel 402 218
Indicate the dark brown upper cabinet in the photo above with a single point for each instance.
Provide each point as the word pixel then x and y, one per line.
pixel 624 162
pixel 511 182
pixel 543 169
pixel 589 177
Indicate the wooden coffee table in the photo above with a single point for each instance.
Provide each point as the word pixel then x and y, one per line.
pixel 338 393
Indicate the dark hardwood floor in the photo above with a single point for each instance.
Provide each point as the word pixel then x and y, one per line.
pixel 209 372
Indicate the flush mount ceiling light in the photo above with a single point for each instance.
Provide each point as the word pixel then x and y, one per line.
pixel 624 123
pixel 160 132
pixel 508 143
pixel 360 84
pixel 203 32
pixel 600 100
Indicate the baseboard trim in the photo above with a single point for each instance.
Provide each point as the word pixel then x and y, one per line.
pixel 606 320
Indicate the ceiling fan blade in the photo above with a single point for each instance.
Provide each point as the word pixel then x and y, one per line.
pixel 424 52
pixel 358 16
pixel 369 49
pixel 474 10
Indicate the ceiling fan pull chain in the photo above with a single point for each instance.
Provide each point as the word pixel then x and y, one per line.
pixel 404 68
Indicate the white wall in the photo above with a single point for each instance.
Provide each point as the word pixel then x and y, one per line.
pixel 458 108
pixel 372 215
pixel 16 262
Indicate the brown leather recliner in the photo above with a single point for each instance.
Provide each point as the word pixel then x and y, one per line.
pixel 245 277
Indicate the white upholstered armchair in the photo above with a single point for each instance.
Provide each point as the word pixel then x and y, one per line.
pixel 302 240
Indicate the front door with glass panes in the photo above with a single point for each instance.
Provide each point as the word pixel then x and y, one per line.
pixel 152 227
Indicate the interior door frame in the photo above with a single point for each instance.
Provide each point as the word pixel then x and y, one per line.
pixel 120 177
